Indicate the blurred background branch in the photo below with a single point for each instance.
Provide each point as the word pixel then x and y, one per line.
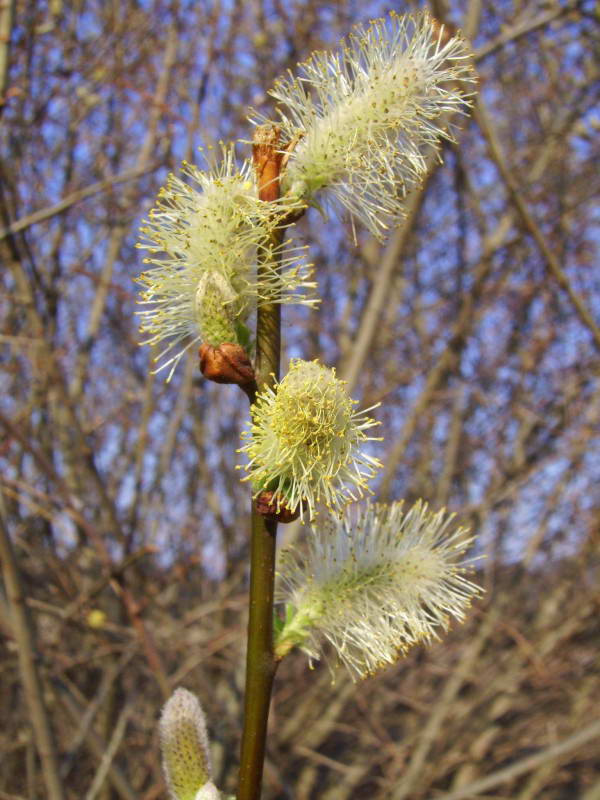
pixel 476 324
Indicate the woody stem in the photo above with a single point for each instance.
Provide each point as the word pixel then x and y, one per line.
pixel 260 661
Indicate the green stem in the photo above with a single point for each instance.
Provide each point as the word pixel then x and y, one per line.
pixel 260 664
pixel 260 660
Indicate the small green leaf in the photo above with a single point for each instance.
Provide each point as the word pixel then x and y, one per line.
pixel 243 335
pixel 278 624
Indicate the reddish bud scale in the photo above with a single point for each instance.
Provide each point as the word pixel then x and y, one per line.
pixel 267 506
pixel 227 363
pixel 267 159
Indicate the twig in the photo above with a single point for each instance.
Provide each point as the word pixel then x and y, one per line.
pixel 439 370
pixel 87 719
pixel 530 224
pixel 519 30
pixel 108 757
pixel 394 250
pixel 7 16
pixel 96 745
pixel 380 292
pixel 117 583
pixel 32 683
pixel 553 753
pixel 440 713
pixel 75 197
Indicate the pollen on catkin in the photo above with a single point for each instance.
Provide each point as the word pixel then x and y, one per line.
pixel 373 584
pixel 365 116
pixel 204 241
pixel 306 443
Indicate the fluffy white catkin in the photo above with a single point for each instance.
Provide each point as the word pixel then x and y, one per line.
pixel 306 442
pixel 203 240
pixel 365 116
pixel 375 583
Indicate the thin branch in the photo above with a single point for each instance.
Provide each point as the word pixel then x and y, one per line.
pixel 531 225
pixel 75 197
pixel 550 754
pixel 441 368
pixel 441 710
pixel 380 292
pixel 86 720
pixel 515 32
pixel 109 755
pixel 7 16
pixel 371 318
pixel 96 745
pixel 32 683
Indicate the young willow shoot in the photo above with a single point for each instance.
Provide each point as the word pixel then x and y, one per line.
pixel 355 130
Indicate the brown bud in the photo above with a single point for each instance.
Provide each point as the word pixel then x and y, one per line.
pixel 267 158
pixel 266 504
pixel 226 363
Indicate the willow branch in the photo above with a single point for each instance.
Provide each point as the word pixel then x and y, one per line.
pixel 260 663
